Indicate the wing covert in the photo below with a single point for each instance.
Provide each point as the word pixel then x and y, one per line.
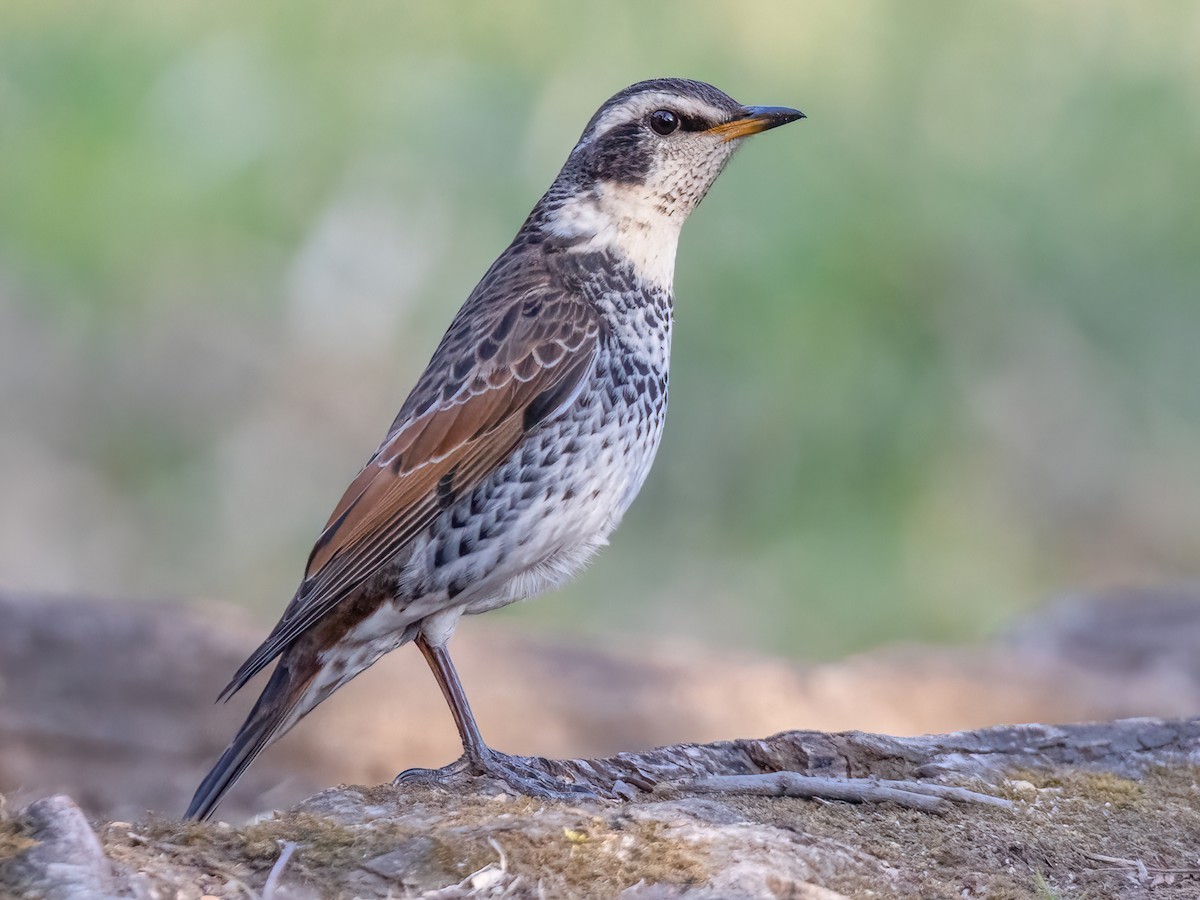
pixel 461 421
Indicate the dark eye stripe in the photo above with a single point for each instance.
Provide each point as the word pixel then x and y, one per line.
pixel 694 123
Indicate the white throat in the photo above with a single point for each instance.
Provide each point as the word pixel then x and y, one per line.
pixel 627 221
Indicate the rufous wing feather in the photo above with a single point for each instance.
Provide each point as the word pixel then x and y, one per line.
pixel 526 380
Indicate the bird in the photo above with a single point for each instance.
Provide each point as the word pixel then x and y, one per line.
pixel 525 439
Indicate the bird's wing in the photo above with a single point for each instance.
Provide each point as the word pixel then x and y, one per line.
pixel 496 376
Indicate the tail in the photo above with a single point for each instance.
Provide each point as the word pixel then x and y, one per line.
pixel 278 708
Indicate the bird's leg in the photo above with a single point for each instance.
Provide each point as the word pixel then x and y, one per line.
pixel 522 774
pixel 456 698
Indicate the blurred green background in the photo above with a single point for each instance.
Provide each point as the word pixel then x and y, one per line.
pixel 938 347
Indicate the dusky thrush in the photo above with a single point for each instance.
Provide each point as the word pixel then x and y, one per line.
pixel 527 436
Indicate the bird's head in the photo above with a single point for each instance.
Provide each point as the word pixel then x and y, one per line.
pixel 645 160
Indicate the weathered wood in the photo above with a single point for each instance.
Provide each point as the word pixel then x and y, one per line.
pixel 1065 807
pixel 1124 747
pixel 930 798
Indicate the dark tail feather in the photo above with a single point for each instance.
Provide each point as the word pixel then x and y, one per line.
pixel 271 715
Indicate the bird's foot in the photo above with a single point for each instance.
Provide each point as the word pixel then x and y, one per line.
pixel 529 775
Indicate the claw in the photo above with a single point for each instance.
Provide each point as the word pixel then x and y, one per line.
pixel 522 774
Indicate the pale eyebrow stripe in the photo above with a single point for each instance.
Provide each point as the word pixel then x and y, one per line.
pixel 636 107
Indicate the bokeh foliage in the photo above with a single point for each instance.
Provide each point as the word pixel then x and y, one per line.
pixel 937 346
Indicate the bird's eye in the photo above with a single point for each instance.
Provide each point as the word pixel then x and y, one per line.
pixel 663 121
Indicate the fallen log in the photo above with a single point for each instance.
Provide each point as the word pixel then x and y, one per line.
pixel 1092 810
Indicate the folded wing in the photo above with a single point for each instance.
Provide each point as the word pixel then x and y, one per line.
pixel 493 380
